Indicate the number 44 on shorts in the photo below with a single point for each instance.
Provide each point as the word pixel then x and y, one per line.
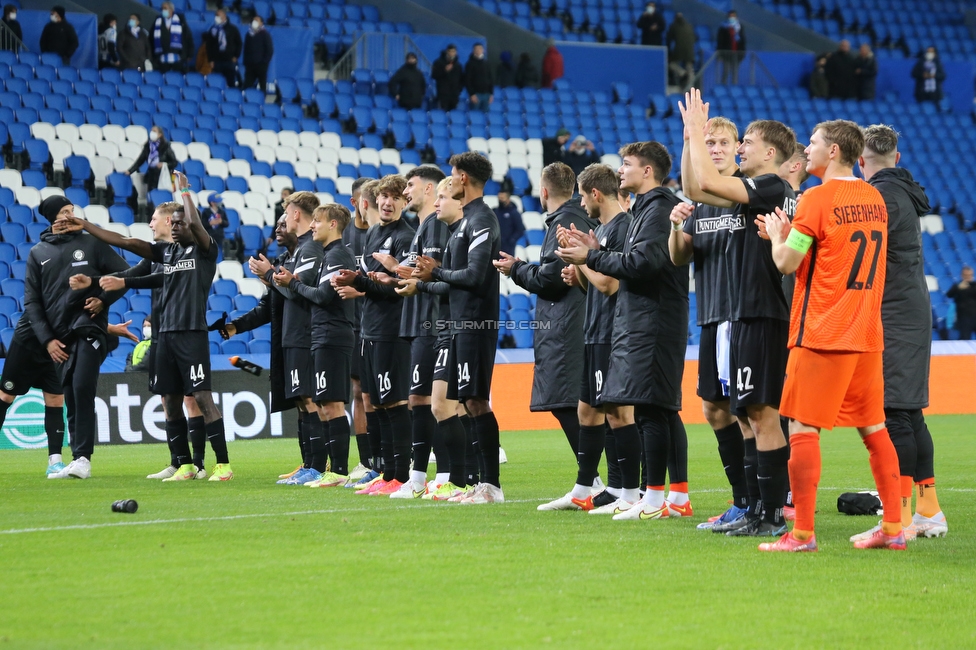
pixel 196 374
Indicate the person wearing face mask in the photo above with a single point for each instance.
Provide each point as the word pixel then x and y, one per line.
pixel 478 79
pixel 731 46
pixel 258 50
pixel 156 152
pixel 59 36
pixel 651 24
pixel 138 359
pixel 133 46
pixel 108 55
pixel 167 40
pixel 408 84
pixel 223 42
pixel 929 74
pixel 10 20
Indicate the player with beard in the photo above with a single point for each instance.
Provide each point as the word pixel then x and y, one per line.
pixel 332 342
pixel 270 310
pixel 700 233
pixel 906 315
pixel 599 188
pixel 296 324
pixel 182 362
pixel 759 312
pixel 474 312
pixel 386 357
pixel 650 333
pixel 353 237
pixel 558 345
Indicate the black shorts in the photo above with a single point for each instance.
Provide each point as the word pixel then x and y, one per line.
pixel 471 363
pixel 182 363
pixel 28 365
pixel 299 379
pixel 757 363
pixel 356 364
pixel 596 361
pixel 333 382
pixel 442 349
pixel 422 357
pixel 386 371
pixel 710 388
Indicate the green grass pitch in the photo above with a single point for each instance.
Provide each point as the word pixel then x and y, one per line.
pixel 251 564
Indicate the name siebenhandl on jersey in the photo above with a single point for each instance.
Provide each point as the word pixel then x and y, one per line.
pixel 182 265
pixel 720 223
pixel 844 214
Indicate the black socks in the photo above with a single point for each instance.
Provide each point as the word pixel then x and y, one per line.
pixel 592 440
pixel 53 426
pixel 176 438
pixel 197 432
pixel 423 426
pixel 338 430
pixel 774 480
pixel 731 449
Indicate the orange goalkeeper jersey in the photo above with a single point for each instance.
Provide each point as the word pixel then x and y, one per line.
pixel 840 282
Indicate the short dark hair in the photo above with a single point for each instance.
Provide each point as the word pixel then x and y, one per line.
pixel 781 137
pixel 430 173
pixel 651 153
pixel 477 167
pixel 359 182
pixel 334 212
pixel 599 177
pixel 848 137
pixel 881 140
pixel 559 178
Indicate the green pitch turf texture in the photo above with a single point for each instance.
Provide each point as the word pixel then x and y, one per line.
pixel 251 564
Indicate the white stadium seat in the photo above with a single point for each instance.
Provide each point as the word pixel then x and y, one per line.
pixel 198 151
pixel 534 253
pixel 90 132
pixel 533 221
pixel 491 201
pixel 141 231
pixel 51 191
pixel 230 270
pixel 326 170
pixel 349 156
pixel 107 149
pixel 516 145
pixel 932 224
pixel 308 154
pixel 256 201
pixel 233 200
pixel 179 150
pixel 59 151
pixel 217 167
pixel 251 217
pixel 305 170
pixel 119 228
pixel 533 146
pixel 330 141
pixel 325 197
pixel 278 183
pixel 369 156
pixel 267 138
pixel 264 154
pixel 67 131
pixel 113 133
pixel 404 168
pixel 309 139
pixel 241 168
pixel 497 146
pixel 343 184
pixel 932 282
pixel 246 137
pixel 389 157
pixel 329 156
pixel 286 154
pixel 10 178
pixel 43 131
pixel 288 139
pixel 259 184
pixel 97 214
pixel 137 134
pixel 131 149
pixel 122 164
pixel 28 196
pixel 101 168
pixel 477 144
pixel 251 287
pixel 83 148
pixel 611 159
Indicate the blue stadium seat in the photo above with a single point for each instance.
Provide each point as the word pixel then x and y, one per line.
pixel 13 233
pixel 121 214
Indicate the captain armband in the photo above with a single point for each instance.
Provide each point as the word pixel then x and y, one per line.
pixel 798 241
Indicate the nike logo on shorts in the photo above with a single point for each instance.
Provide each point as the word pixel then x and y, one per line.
pixel 197 383
pixel 742 395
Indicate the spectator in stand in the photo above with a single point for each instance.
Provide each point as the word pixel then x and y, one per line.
pixel 223 42
pixel 552 64
pixel 138 359
pixel 478 79
pixel 156 152
pixel 651 24
pixel 449 75
pixel 510 223
pixel 580 154
pixel 527 75
pixel 10 20
pixel 865 72
pixel 214 219
pixel 258 50
pixel 108 53
pixel 59 36
pixel 280 205
pixel 408 84
pixel 167 40
pixel 552 148
pixel 964 295
pixel 929 75
pixel 731 46
pixel 505 72
pixel 134 47
pixel 841 76
pixel 681 50
pixel 819 86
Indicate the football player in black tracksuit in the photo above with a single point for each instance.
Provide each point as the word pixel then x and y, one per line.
pixel 759 313
pixel 650 333
pixel 418 326
pixel 386 357
pixel 474 313
pixel 704 238
pixel 332 344
pixel 558 344
pixel 74 338
pixel 270 310
pixel 296 322
pixel 182 361
pixel 599 190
